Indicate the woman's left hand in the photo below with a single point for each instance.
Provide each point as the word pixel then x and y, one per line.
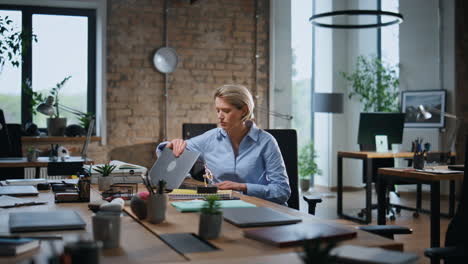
pixel 229 185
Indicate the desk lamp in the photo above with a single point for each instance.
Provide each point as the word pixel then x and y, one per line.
pixel 47 108
pixel 426 114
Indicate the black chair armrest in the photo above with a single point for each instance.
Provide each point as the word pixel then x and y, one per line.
pixel 312 202
pixel 446 252
pixel 387 231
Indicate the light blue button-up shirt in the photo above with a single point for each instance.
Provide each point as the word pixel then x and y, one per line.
pixel 259 163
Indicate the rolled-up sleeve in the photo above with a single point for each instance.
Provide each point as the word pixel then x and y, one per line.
pixel 277 190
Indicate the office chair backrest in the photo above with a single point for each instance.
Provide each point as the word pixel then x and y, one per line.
pixel 190 130
pixel 287 142
pixel 4 139
pixel 60 168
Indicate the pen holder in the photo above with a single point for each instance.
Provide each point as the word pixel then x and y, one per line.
pixel 156 205
pixel 106 228
pixel 418 161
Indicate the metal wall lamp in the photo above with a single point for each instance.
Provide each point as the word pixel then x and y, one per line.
pixel 396 18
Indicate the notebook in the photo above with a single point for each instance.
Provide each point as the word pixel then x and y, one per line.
pixel 188 194
pixel 257 216
pixel 16 246
pixel 195 206
pixel 293 235
pixel 7 201
pixel 18 190
pixel 45 221
pixel 171 169
pixel 12 182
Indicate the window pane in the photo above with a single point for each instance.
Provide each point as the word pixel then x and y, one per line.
pixel 10 78
pixel 61 51
pixel 390 36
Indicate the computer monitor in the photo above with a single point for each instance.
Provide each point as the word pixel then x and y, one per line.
pixel 372 124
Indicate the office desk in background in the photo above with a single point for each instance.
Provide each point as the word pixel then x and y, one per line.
pixel 140 241
pixel 367 157
pixel 386 175
pixel 41 162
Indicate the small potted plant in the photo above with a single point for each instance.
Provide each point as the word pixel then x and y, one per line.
pixel 104 181
pixel 157 204
pixel 31 154
pixel 211 218
pixel 307 166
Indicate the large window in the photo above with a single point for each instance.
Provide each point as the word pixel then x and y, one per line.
pixel 65 46
pixel 389 36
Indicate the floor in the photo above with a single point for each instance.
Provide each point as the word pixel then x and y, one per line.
pixel 355 200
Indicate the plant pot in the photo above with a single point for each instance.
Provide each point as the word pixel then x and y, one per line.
pixel 156 205
pixel 305 185
pixel 32 156
pixel 56 126
pixel 104 183
pixel 210 225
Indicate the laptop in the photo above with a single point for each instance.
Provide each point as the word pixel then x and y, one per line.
pixel 257 216
pixel 45 221
pixel 19 190
pixel 171 169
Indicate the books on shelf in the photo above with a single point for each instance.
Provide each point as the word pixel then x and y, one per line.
pixel 16 246
pixel 187 194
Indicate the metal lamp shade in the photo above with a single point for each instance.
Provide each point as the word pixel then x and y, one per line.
pixel 47 107
pixel 328 102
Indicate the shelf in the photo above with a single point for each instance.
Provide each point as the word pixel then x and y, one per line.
pixel 48 139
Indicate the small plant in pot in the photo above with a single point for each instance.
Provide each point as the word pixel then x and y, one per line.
pixel 157 204
pixel 307 166
pixel 211 218
pixel 104 181
pixel 32 154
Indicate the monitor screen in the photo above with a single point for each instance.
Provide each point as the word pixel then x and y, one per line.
pixel 389 124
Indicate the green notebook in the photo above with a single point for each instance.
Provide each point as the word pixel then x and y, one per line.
pixel 196 205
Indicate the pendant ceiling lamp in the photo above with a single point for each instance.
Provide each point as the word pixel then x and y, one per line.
pixel 384 18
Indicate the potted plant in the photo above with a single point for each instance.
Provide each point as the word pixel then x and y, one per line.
pixel 56 124
pixel 104 181
pixel 31 154
pixel 307 166
pixel 211 218
pixel 157 204
pixel 375 83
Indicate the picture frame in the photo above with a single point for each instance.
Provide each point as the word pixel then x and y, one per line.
pixel 433 101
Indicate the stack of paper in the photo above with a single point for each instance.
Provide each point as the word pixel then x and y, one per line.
pixel 186 194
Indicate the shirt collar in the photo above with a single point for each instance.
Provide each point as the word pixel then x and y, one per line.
pixel 253 132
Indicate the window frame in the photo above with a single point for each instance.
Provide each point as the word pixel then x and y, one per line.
pixel 26 66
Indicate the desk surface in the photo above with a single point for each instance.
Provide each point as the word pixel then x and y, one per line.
pixel 379 155
pixel 140 242
pixel 421 175
pixel 41 162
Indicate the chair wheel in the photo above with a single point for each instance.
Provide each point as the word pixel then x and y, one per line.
pixel 415 214
pixel 392 217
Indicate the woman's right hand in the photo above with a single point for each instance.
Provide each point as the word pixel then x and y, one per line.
pixel 177 146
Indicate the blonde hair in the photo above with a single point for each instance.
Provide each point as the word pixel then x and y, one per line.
pixel 238 96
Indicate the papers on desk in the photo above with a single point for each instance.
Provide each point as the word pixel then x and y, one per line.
pixel 440 171
pixel 123 173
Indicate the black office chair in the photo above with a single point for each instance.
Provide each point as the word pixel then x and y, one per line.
pixel 287 142
pixel 10 142
pixel 456 238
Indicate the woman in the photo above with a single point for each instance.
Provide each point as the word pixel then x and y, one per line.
pixel 241 156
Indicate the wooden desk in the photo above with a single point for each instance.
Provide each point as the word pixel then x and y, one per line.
pixel 367 157
pixel 413 176
pixel 137 244
pixel 232 242
pixel 41 162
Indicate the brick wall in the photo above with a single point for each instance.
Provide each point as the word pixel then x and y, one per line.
pixel 215 40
